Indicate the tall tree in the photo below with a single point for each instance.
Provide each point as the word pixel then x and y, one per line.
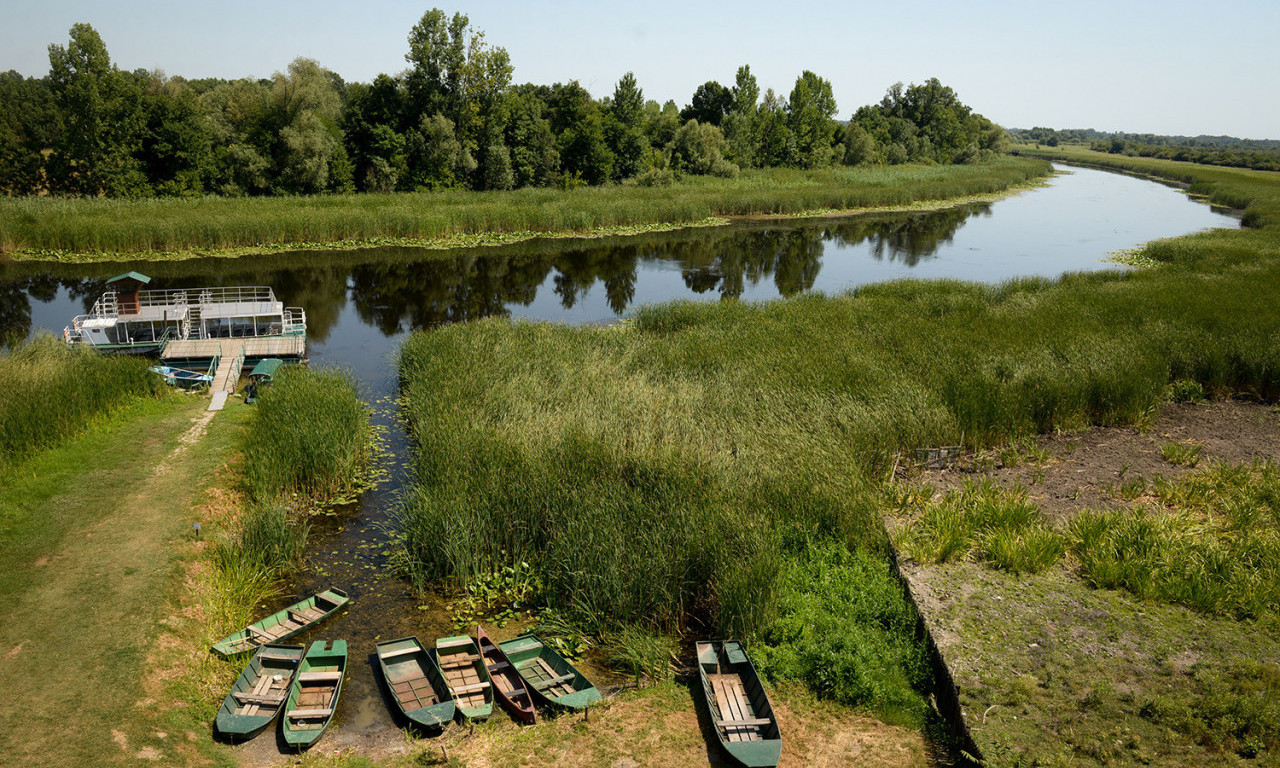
pixel 309 154
pixel 742 124
pixel 30 123
pixel 103 120
pixel 624 129
pixel 811 111
pixel 711 102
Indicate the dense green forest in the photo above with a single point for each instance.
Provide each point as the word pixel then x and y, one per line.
pixel 1258 154
pixel 452 119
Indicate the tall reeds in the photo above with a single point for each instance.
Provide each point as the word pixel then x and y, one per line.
pixel 49 392
pixel 310 439
pixel 173 226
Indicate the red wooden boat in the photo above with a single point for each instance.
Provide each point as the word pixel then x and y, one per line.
pixel 508 686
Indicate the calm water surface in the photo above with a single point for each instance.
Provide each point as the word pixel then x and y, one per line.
pixel 361 304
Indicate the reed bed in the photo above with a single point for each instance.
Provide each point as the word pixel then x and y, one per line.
pixel 679 470
pixel 310 440
pixel 85 229
pixel 49 392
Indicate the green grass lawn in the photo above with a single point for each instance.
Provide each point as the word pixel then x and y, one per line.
pixel 89 533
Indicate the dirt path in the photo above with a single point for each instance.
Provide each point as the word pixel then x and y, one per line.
pixel 103 514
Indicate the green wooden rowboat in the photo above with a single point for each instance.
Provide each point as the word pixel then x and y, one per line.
pixel 313 697
pixel 468 680
pixel 255 699
pixel 284 624
pixel 415 682
pixel 546 673
pixel 740 710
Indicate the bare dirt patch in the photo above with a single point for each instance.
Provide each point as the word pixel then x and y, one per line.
pixel 1085 470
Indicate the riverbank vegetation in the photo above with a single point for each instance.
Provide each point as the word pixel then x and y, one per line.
pixel 50 392
pixel 310 442
pixel 669 471
pixel 1258 154
pixel 105 229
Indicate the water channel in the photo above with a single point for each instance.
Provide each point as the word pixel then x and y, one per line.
pixel 361 304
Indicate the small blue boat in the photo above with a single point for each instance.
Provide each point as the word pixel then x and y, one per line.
pixel 181 377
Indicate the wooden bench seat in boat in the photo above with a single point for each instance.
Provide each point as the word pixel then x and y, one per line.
pixel 320 677
pixel 307 714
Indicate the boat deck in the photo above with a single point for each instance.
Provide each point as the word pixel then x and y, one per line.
pixel 737 717
pixel 254 347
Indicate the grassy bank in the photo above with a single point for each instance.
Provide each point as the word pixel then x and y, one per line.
pixel 169 228
pixel 90 533
pixel 50 392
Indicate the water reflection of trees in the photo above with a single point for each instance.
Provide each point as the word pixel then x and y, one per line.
pixel 399 289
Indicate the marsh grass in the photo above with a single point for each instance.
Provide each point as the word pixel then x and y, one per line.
pixel 1217 550
pixel 639 654
pixel 310 441
pixel 177 228
pixel 1001 527
pixel 845 630
pixel 1182 454
pixel 50 392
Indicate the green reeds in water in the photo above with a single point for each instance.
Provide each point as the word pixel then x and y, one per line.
pixel 170 226
pixel 50 391
pixel 310 438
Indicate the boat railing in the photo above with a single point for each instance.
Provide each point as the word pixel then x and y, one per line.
pixel 182 296
pixel 295 321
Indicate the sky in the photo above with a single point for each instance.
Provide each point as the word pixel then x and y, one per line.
pixel 1171 67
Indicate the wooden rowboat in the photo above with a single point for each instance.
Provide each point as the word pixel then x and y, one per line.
pixel 313 697
pixel 548 674
pixel 508 686
pixel 284 624
pixel 468 680
pixel 740 709
pixel 256 698
pixel 415 682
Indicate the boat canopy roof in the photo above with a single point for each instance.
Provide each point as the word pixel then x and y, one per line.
pixel 266 369
pixel 137 277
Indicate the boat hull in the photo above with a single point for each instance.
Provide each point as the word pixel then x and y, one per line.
pixel 414 681
pixel 508 687
pixel 466 675
pixel 283 624
pixel 255 699
pixel 550 677
pixel 741 713
pixel 314 693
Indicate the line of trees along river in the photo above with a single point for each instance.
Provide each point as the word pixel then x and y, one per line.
pixel 453 118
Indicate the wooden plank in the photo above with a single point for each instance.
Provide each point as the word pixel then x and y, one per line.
pixel 544 684
pixel 456 659
pixel 264 698
pixel 400 652
pixel 459 642
pixel 316 677
pixel 278 656
pixel 472 688
pixel 300 714
pixel 754 721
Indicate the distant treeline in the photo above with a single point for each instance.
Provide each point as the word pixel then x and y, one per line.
pixel 452 119
pixel 1258 154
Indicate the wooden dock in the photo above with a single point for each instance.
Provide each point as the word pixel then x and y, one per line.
pixel 286 347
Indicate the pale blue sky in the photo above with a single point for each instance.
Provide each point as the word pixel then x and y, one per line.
pixel 1173 67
